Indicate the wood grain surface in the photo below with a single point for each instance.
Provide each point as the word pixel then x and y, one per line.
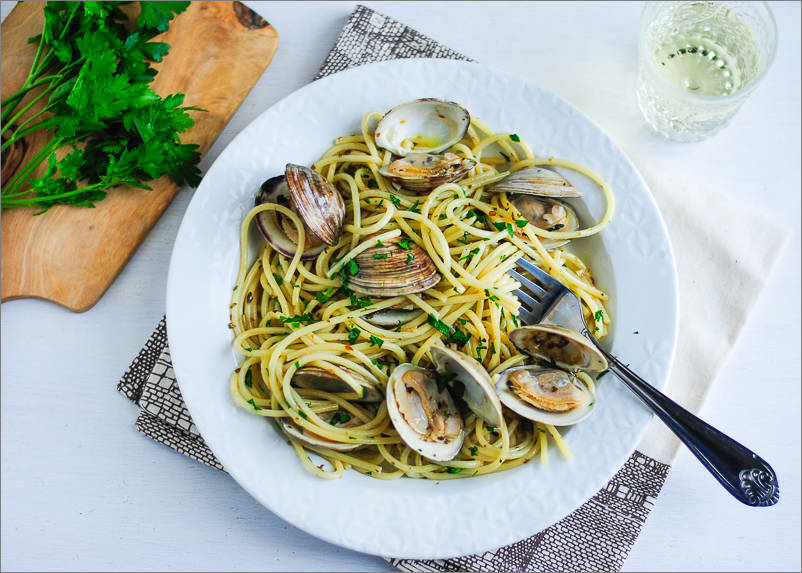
pixel 70 255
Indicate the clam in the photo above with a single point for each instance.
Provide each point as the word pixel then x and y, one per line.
pixel 423 126
pixel 395 268
pixel 317 201
pixel 306 437
pixel 425 416
pixel 475 386
pixel 277 229
pixel 337 380
pixel 547 214
pixel 421 172
pixel 536 181
pixel 563 347
pixel 393 316
pixel 546 395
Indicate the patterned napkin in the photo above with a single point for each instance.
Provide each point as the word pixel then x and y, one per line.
pixel 599 535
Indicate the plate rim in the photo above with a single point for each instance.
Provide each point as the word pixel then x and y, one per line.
pixel 336 77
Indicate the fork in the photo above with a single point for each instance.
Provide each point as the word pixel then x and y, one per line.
pixel 742 473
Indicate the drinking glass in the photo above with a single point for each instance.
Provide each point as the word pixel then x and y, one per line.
pixel 699 61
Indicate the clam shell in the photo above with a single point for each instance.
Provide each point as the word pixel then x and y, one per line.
pixel 413 430
pixel 539 413
pixel 536 181
pixel 393 316
pixel 479 393
pixel 390 275
pixel 422 172
pixel 306 437
pixel 275 190
pixel 317 201
pixel 548 214
pixel 431 125
pixel 337 380
pixel 565 348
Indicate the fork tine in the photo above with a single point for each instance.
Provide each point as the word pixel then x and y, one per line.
pixel 534 288
pixel 526 299
pixel 548 281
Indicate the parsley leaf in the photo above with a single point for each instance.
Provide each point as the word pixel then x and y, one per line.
pixel 515 138
pixel 404 244
pixel 353 335
pixel 395 200
pixel 375 340
pixel 339 417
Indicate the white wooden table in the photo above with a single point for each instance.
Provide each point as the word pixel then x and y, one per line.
pixel 82 490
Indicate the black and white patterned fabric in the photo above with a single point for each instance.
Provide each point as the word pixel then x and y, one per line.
pixel 596 537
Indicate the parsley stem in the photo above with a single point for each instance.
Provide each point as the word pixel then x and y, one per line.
pixel 19 114
pixel 17 135
pixel 31 201
pixel 14 183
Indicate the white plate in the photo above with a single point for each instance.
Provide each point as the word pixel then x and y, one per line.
pixel 417 518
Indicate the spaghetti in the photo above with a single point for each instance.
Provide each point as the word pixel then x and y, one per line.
pixel 287 313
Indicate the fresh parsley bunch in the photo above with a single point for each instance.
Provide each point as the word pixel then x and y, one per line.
pixel 95 73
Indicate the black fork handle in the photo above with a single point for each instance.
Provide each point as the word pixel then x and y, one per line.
pixel 742 472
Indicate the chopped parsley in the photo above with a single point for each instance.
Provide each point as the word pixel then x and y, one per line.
pixel 353 268
pixel 415 208
pixel 442 217
pixel 279 280
pixel 515 138
pixel 480 217
pixel 499 225
pixel 248 381
pixel 410 256
pixel 360 302
pixel 462 321
pixel 375 340
pixel 478 352
pixel 491 429
pixel 451 470
pixel 439 325
pixel 395 200
pixel 404 244
pixel 398 326
pixel 295 321
pixel 521 223
pixel 379 243
pixel 353 335
pixel 235 288
pixel 297 365
pixel 464 238
pixel 323 297
pixel 252 403
pixel 302 414
pixel 339 417
pixel 470 254
pixel 490 297
pixel 380 255
pixel 474 450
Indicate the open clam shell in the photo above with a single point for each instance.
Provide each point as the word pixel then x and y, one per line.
pixel 337 381
pixel 477 388
pixel 393 270
pixel 548 214
pixel 423 126
pixel 317 201
pixel 275 228
pixel 308 438
pixel 425 417
pixel 536 181
pixel 392 317
pixel 422 172
pixel 565 348
pixel 546 395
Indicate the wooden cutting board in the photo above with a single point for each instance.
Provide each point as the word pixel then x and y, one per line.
pixel 70 255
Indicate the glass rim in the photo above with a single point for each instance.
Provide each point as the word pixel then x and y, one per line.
pixel 748 88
